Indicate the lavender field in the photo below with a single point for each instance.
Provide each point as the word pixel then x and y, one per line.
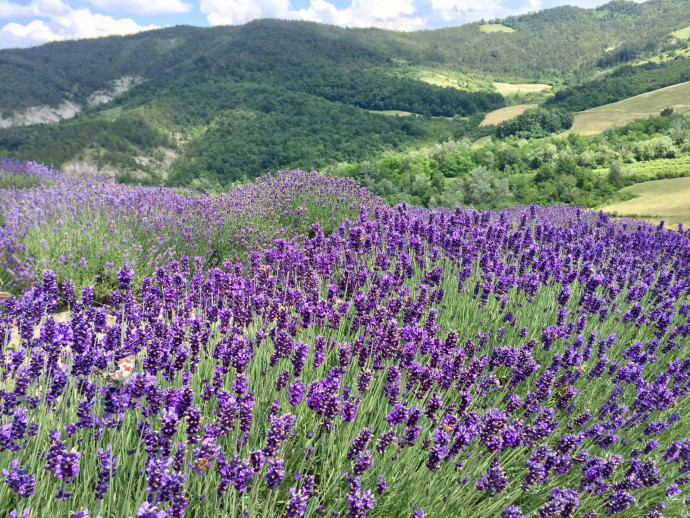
pixel 297 347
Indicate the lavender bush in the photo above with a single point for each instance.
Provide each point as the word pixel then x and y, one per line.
pixel 524 363
pixel 85 228
pixel 20 175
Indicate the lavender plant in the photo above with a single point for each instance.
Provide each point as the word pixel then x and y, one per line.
pixel 85 228
pixel 524 363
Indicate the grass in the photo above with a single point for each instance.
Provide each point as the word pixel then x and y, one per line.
pixel 682 34
pixel 667 200
pixel 507 113
pixel 444 77
pixel 490 28
pixel 520 88
pixel 596 120
pixel 393 113
pixel 667 56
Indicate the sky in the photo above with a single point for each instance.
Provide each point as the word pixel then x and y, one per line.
pixel 24 23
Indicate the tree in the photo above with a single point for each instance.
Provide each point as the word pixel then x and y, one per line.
pixel 453 195
pixel 483 189
pixel 615 175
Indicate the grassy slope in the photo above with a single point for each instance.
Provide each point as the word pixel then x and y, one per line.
pixel 596 120
pixel 495 27
pixel 507 113
pixel 667 200
pixel 520 88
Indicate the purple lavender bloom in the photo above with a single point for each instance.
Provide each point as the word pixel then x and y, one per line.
pixel 241 473
pixel 19 480
pixel 619 501
pixel 296 392
pixel 380 485
pixel 146 510
pixel 241 384
pixel 359 443
pixel 364 462
pixel 561 504
pixel 494 481
pixel 108 469
pixel 359 503
pixel 275 472
pixel 297 505
pixel 673 490
pixel 349 409
pixel 512 512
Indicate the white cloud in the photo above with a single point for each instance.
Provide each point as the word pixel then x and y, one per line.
pixel 143 6
pixel 38 8
pixel 59 22
pixel 235 12
pixel 386 14
pixel 389 14
pixel 403 15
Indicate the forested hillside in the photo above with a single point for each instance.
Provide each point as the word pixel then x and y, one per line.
pixel 212 106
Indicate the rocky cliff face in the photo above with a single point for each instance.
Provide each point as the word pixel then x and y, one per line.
pixel 41 115
pixel 47 114
pixel 119 86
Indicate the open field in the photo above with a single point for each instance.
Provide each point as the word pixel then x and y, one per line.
pixel 401 113
pixel 507 113
pixel 596 120
pixel 667 200
pixel 495 27
pixel 441 80
pixel 520 88
pixel 682 34
pixel 448 78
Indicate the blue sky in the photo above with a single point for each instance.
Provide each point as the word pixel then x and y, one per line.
pixel 25 23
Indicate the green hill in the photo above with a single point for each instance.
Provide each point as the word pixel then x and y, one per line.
pixel 595 120
pixel 227 103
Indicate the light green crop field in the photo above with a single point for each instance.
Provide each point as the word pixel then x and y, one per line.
pixel 521 88
pixel 495 27
pixel 682 34
pixel 667 200
pixel 507 113
pixel 437 79
pixel 596 120
pixel 448 78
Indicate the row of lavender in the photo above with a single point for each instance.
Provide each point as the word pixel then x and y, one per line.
pixel 442 363
pixel 86 227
